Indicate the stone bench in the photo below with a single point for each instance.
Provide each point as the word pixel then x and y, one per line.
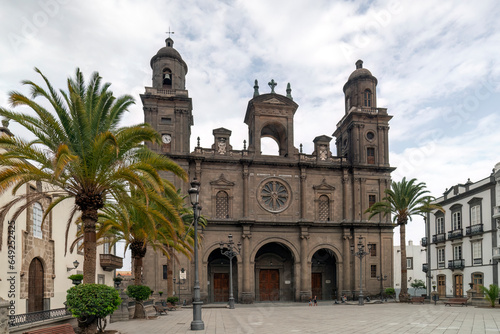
pixel 416 300
pixel 456 301
pixel 60 329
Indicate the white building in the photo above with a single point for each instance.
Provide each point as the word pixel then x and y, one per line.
pixel 416 256
pixel 33 258
pixel 463 241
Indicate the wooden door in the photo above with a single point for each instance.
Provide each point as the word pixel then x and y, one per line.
pixel 441 286
pixel 459 290
pixel 316 286
pixel 477 279
pixel 35 286
pixel 269 284
pixel 221 287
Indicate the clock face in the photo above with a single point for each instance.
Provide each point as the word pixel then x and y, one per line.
pixel 166 139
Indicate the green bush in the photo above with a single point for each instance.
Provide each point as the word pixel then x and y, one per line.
pixel 173 300
pixel 76 277
pixel 138 292
pixel 490 294
pixel 92 299
pixel 390 291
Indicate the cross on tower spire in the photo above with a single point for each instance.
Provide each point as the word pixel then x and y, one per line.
pixel 169 32
pixel 272 84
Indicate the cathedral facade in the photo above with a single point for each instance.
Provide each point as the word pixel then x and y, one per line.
pixel 296 215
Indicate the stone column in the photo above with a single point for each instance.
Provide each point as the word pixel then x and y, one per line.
pixel 4 316
pixel 303 177
pixel 245 190
pixel 246 294
pixel 305 285
pixel 381 145
pixel 347 284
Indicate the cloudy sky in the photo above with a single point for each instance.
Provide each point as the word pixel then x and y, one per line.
pixel 436 64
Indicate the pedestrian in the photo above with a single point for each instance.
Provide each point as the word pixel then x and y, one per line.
pixel 315 301
pixel 310 302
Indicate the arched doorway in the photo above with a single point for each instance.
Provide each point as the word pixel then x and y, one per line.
pixel 35 286
pixel 274 276
pixel 218 275
pixel 324 275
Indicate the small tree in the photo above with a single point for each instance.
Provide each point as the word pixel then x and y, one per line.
pixel 173 300
pixel 390 292
pixel 139 293
pixel 90 301
pixel 417 284
pixel 490 294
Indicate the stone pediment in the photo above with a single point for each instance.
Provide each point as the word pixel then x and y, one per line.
pixel 273 101
pixel 222 181
pixel 324 186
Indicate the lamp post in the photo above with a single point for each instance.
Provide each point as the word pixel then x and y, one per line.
pixel 381 279
pixel 194 196
pixel 360 254
pixel 230 253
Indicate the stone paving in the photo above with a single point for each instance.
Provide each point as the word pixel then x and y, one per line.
pixel 278 318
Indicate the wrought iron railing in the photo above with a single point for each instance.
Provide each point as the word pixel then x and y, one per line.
pixel 496 253
pixel 28 318
pixel 474 229
pixel 455 234
pixel 456 264
pixel 438 237
pixel 478 261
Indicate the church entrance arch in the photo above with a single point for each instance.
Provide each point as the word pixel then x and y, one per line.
pixel 218 275
pixel 274 264
pixel 324 275
pixel 35 286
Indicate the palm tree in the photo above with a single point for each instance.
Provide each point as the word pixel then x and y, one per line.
pixel 79 152
pixel 403 200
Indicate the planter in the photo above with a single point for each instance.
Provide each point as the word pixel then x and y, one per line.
pixel 117 284
pixel 76 282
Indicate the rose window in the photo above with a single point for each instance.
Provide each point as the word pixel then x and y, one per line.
pixel 274 196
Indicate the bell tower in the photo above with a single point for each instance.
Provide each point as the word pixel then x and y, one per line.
pixel 363 133
pixel 167 105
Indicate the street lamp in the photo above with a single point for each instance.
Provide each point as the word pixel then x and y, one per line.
pixel 194 196
pixel 381 279
pixel 360 254
pixel 230 253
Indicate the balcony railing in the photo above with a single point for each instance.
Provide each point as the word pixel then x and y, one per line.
pixel 110 262
pixel 28 318
pixel 455 234
pixel 456 264
pixel 478 262
pixel 474 229
pixel 425 267
pixel 439 238
pixel 496 212
pixel 440 265
pixel 496 253
pixel 423 242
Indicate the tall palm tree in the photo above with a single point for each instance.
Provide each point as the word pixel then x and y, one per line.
pixel 403 200
pixel 79 152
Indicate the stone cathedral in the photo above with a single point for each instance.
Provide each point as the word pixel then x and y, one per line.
pixel 296 214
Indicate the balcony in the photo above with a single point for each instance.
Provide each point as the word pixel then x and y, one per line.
pixel 423 242
pixel 496 212
pixel 439 238
pixel 441 265
pixel 456 234
pixel 474 229
pixel 496 253
pixel 425 267
pixel 110 262
pixel 456 264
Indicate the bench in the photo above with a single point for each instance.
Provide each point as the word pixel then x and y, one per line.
pixel 416 300
pixel 160 309
pixel 60 329
pixel 456 301
pixel 171 307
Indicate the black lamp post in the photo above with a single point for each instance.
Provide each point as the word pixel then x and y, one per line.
pixel 194 195
pixel 360 254
pixel 381 279
pixel 230 253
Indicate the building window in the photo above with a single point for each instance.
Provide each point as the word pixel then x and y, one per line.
pixel 370 155
pixel 324 208
pixel 409 263
pixel 441 258
pixel 371 200
pixel 222 205
pixel 165 272
pixel 373 249
pixel 456 219
pixel 367 97
pixel 457 252
pixel 477 253
pixel 101 279
pixel 167 77
pixel 475 215
pixel 373 271
pixel 37 220
pixel 477 279
pixel 439 225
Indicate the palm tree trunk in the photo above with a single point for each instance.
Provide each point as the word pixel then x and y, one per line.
pixel 90 247
pixel 139 312
pixel 403 295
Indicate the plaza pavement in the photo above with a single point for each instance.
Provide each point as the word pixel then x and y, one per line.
pixel 281 318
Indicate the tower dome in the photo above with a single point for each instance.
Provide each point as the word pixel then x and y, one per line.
pixel 169 69
pixel 360 89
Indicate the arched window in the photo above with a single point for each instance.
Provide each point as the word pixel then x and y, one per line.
pixel 367 97
pixel 37 220
pixel 167 77
pixel 222 205
pixel 370 155
pixel 324 208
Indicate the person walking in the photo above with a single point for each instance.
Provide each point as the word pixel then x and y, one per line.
pixel 315 301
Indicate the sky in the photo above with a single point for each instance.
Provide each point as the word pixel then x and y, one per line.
pixel 436 63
